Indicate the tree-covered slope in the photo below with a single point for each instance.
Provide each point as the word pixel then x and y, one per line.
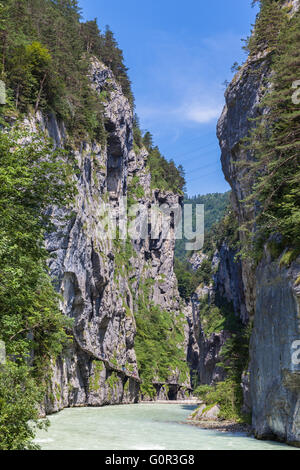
pixel 32 327
pixel 215 206
pixel 45 55
pixel 44 49
pixel 274 139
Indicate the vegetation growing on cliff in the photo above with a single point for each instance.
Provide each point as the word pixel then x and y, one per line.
pixel 158 344
pixel 215 206
pixel 228 394
pixel 160 334
pixel 45 66
pixel 189 279
pixel 164 174
pixel 275 140
pixel 265 36
pixel 273 174
pixel 217 314
pixel 19 397
pixel 44 62
pixel 32 327
pixel 226 230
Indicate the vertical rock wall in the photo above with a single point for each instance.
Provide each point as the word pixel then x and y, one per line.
pixel 271 297
pixel 99 286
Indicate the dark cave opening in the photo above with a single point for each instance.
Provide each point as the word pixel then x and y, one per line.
pixel 172 393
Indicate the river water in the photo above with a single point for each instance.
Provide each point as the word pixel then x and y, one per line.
pixel 139 427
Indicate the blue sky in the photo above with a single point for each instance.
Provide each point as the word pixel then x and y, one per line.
pixel 179 54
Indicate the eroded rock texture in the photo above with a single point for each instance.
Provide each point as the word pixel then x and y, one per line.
pixel 99 286
pixel 275 363
pixel 269 292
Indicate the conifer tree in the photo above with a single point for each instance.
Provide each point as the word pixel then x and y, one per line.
pixel 275 144
pixel 267 27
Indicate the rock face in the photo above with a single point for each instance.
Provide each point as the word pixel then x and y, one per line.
pixel 269 292
pixel 275 353
pixel 242 98
pixel 228 280
pixel 204 351
pixel 205 413
pixel 98 286
pixel 210 355
pixel 196 260
pixel 192 332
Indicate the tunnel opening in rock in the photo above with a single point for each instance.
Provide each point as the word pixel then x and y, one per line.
pixel 172 393
pixel 114 173
pixel 114 164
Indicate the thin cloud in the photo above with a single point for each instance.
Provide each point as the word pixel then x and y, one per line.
pixel 201 114
pixel 184 82
pixel 183 113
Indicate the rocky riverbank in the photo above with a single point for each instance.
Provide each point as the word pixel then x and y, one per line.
pixel 222 426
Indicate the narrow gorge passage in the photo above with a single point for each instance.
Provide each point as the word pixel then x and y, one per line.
pixel 144 273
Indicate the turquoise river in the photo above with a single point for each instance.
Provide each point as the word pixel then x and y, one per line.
pixel 139 427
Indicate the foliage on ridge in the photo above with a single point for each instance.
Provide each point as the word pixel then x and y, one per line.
pixel 274 142
pixel 32 176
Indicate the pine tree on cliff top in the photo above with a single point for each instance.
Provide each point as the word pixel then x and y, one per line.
pixel 275 143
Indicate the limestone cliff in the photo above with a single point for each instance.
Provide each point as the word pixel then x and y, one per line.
pixel 274 368
pixel 205 348
pixel 271 297
pixel 99 279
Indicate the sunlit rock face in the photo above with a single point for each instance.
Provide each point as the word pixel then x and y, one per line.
pixel 99 289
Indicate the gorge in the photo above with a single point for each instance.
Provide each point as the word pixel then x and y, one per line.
pixel 134 335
